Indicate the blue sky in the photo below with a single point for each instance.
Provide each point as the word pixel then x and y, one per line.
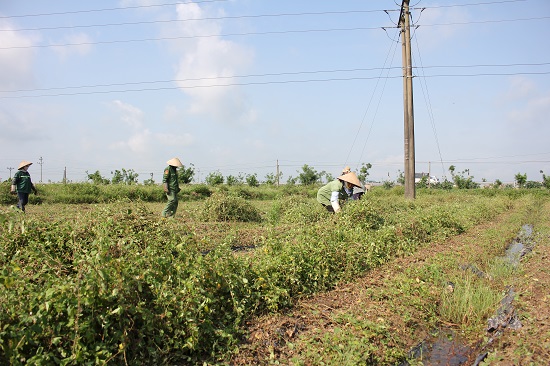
pixel 236 85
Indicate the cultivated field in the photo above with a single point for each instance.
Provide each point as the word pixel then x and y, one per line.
pixel 246 277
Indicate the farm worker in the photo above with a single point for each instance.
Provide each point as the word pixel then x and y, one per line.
pixel 171 186
pixel 22 184
pixel 329 194
pixel 354 192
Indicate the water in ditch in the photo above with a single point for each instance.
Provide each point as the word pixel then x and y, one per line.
pixel 447 348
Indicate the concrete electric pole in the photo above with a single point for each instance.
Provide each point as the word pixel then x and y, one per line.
pixel 408 111
pixel 41 162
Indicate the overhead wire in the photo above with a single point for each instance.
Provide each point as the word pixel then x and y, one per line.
pixel 379 102
pixel 427 99
pixel 109 9
pixel 263 33
pixel 191 19
pixel 302 72
pixel 131 7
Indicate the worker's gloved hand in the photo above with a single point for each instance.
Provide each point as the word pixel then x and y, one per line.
pixel 336 206
pixel 165 186
pixel 12 190
pixel 34 191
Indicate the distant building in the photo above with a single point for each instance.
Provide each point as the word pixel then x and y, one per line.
pixel 432 179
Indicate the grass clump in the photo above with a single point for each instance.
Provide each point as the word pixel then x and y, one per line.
pixel 224 207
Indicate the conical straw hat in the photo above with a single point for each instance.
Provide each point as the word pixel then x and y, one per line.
pixel 23 164
pixel 350 178
pixel 174 162
pixel 346 170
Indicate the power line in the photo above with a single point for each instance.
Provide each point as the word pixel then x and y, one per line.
pixel 265 83
pixel 196 36
pixel 108 9
pixel 193 19
pixel 264 33
pixel 471 4
pixel 212 1
pixel 277 74
pixel 483 21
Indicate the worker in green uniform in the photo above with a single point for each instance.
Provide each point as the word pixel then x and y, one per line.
pixel 22 184
pixel 329 194
pixel 171 186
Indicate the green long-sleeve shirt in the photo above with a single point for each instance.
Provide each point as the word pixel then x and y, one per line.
pixel 171 177
pixel 22 182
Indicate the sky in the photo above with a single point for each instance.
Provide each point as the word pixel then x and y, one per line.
pixel 238 87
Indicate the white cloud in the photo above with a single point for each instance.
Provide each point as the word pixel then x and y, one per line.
pixel 435 35
pixel 138 142
pixel 130 115
pixel 15 63
pixel 214 60
pixel 175 140
pixel 80 45
pixel 141 139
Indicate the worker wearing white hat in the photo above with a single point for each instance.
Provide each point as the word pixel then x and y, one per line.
pixel 22 184
pixel 171 186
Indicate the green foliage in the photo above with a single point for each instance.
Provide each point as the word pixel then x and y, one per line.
pixel 308 175
pixel 214 178
pixel 364 172
pixel 252 180
pixel 295 210
pixel 271 178
pixel 224 207
pixel 185 175
pixel 96 178
pixel 124 177
pixel 119 285
pixel 520 179
pixel 465 183
pixel 231 180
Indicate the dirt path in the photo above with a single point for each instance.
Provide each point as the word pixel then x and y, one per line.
pixel 283 338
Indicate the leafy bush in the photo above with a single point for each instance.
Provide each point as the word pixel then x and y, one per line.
pixel 224 207
pixel 295 210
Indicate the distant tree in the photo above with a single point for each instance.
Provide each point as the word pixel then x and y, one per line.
pixel 130 176
pixel 231 180
pixel 117 177
pixel 272 178
pixel 214 178
pixel 400 177
pixel 149 182
pixel 252 180
pixel 328 177
pixel 498 183
pixel 96 178
pixel 546 181
pixel 423 182
pixel 464 183
pixel 531 184
pixel 452 170
pixel 521 179
pixel 364 172
pixel 185 175
pixel 291 181
pixel 308 175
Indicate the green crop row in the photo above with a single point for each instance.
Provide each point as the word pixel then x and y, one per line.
pixel 117 284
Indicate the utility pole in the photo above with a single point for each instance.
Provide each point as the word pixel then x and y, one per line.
pixel 65 176
pixel 10 169
pixel 41 162
pixel 408 111
pixel 277 172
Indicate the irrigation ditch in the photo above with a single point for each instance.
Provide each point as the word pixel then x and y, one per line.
pixel 446 347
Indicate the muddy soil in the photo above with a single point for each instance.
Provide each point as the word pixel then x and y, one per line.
pixel 269 336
